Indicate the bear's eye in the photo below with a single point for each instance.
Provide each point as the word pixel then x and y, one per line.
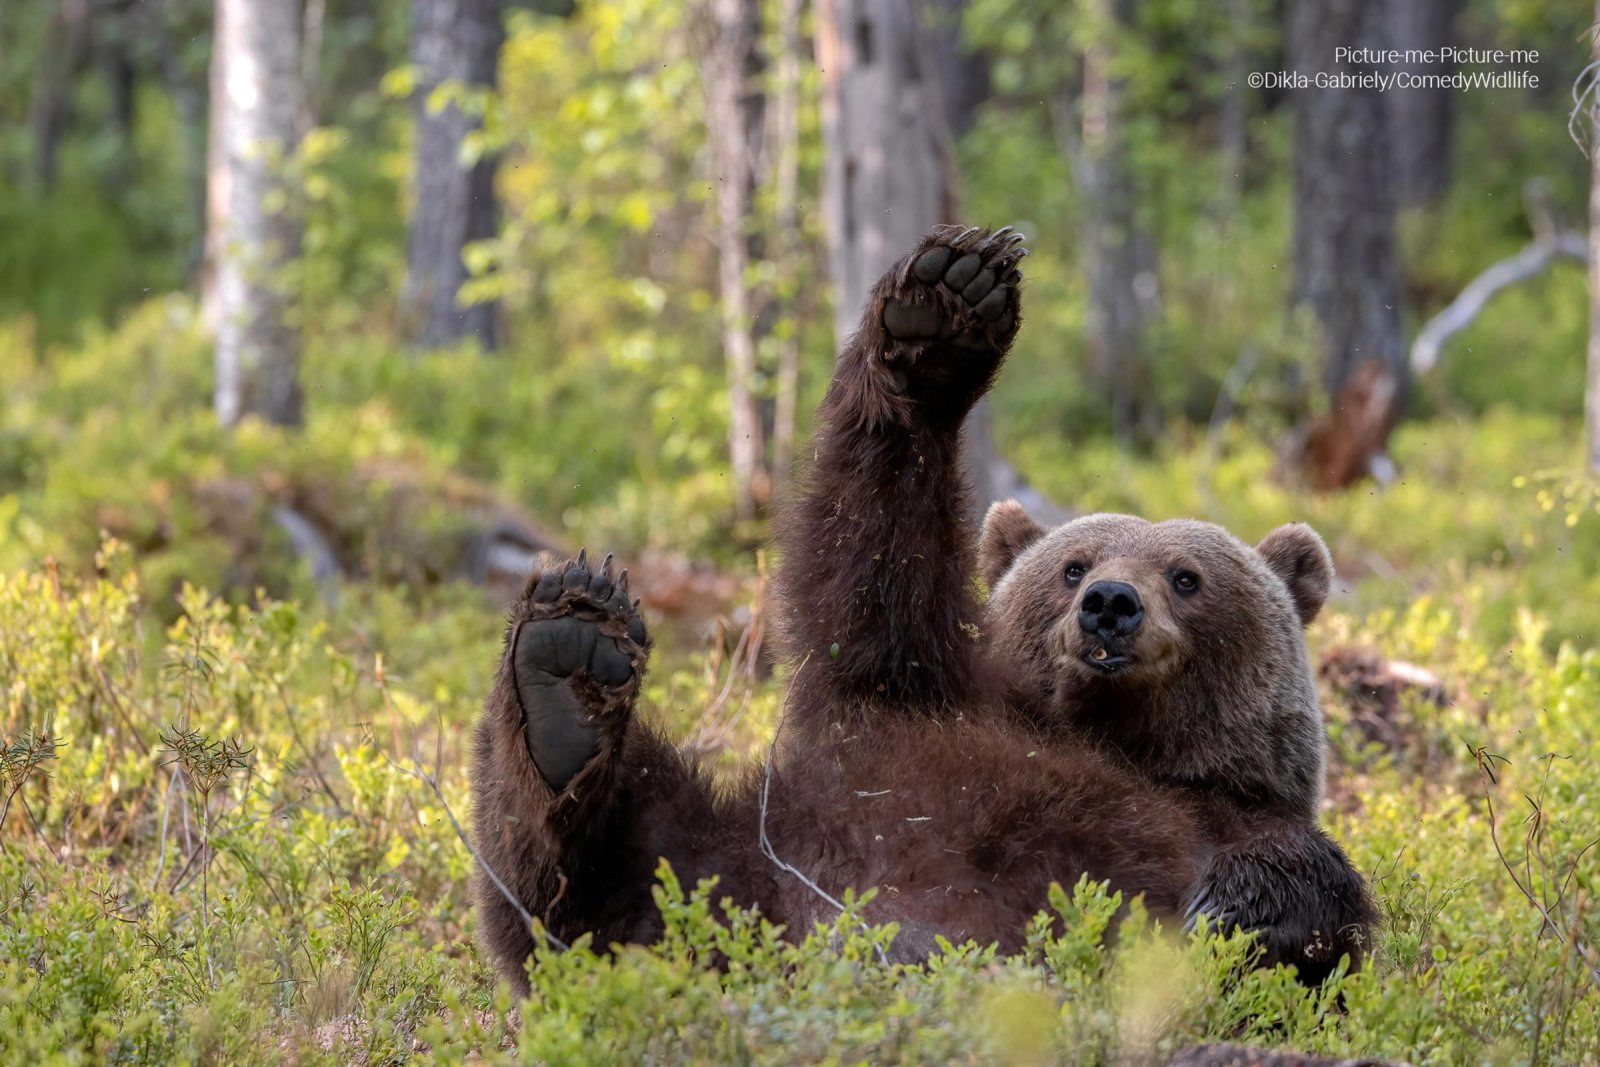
pixel 1187 583
pixel 1075 572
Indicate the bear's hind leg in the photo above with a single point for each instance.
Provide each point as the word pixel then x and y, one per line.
pixel 557 758
pixel 576 661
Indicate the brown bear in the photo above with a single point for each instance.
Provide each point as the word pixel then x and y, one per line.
pixel 1177 648
pixel 960 770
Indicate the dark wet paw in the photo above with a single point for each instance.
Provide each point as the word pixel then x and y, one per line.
pixel 949 311
pixel 1307 907
pixel 577 655
pixel 961 285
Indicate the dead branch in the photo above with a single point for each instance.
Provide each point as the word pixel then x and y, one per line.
pixel 1550 242
pixel 307 543
pixel 114 700
pixel 166 816
pixel 1547 911
pixel 1531 261
pixel 745 660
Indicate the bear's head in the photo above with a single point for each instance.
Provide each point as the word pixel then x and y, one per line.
pixel 1174 643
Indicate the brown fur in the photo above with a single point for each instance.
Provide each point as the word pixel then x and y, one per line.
pixel 947 764
pixel 1216 700
pixel 1220 689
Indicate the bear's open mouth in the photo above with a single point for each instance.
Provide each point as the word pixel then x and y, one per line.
pixel 1105 660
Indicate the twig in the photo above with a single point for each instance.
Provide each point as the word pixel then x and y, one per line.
pixel 1485 761
pixel 1588 78
pixel 706 736
pixel 766 842
pixel 511 898
pixel 116 701
pixel 205 883
pixel 294 732
pixel 37 829
pixel 166 815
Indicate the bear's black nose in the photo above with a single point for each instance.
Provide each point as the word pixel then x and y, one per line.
pixel 1110 609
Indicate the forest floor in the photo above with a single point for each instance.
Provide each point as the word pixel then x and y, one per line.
pixel 228 829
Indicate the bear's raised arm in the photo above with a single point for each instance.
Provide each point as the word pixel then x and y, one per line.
pixel 876 581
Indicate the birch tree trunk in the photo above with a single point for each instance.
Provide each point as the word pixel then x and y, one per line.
pixel 451 41
pixel 1346 268
pixel 734 108
pixel 252 234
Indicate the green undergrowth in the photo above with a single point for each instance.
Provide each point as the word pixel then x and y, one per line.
pixel 406 458
pixel 403 460
pixel 328 921
pixel 170 678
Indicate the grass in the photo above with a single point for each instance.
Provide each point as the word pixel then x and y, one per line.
pixel 220 839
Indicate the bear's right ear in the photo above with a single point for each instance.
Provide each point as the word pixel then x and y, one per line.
pixel 1007 531
pixel 1297 555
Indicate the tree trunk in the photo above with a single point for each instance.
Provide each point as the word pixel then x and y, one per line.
pixel 734 109
pixel 897 88
pixel 122 77
pixel 1122 278
pixel 887 177
pixel 786 194
pixel 451 41
pixel 1422 120
pixel 962 71
pixel 1233 134
pixel 252 234
pixel 66 50
pixel 1346 268
pixel 1592 393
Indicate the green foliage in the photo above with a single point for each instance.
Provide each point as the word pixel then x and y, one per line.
pixel 330 918
pixel 214 845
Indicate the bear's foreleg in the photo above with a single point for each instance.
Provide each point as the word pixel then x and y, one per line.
pixel 876 583
pixel 1295 887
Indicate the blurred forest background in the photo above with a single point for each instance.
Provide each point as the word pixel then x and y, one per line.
pixel 593 260
pixel 320 318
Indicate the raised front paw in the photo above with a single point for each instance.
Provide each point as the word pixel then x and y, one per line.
pixel 950 309
pixel 577 656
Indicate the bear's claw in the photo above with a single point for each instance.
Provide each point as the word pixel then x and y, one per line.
pixel 577 653
pixel 960 286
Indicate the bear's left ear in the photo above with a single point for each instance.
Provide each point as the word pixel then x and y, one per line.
pixel 1007 531
pixel 1297 555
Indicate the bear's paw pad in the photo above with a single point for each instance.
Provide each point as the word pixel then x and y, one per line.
pixel 577 653
pixel 959 285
